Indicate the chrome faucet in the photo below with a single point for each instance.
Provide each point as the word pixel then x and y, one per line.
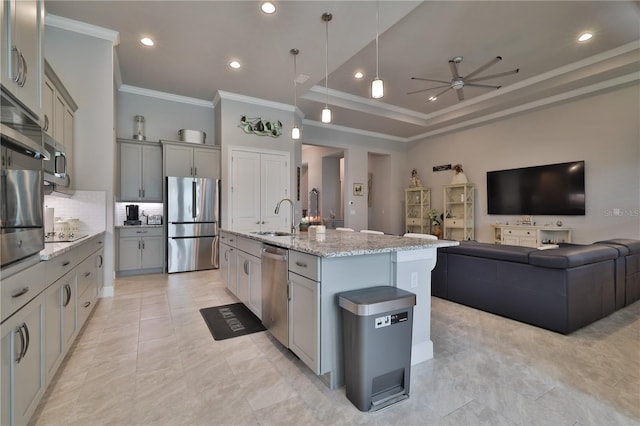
pixel 293 226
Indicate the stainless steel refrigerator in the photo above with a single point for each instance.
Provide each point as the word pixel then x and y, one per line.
pixel 193 219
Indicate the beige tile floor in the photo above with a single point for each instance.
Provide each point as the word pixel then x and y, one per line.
pixel 146 357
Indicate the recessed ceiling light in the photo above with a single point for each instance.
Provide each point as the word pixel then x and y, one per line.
pixel 432 98
pixel 268 7
pixel 585 36
pixel 147 41
pixel 358 75
pixel 234 64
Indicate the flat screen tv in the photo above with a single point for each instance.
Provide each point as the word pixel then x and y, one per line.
pixel 553 189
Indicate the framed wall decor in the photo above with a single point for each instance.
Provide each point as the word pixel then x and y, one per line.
pixel 358 189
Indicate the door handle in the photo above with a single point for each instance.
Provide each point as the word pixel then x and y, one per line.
pixel 21 352
pixel 21 292
pixel 67 290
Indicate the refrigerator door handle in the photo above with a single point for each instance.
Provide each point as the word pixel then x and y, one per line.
pixel 214 252
pixel 194 207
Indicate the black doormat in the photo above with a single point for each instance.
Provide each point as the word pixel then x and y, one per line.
pixel 232 320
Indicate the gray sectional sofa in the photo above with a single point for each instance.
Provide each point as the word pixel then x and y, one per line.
pixel 561 289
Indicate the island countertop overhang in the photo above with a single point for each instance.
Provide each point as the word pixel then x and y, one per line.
pixel 339 244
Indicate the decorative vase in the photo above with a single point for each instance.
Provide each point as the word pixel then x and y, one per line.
pixel 437 231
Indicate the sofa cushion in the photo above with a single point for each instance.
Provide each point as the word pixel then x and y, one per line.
pixel 493 251
pixel 572 256
pixel 632 245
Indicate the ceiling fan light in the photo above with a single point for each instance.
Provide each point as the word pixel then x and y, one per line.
pixel 377 88
pixel 295 133
pixel 326 115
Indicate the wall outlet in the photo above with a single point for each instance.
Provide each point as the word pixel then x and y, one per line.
pixel 414 280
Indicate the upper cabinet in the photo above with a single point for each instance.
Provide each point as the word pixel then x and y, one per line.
pixel 21 53
pixel 185 160
pixel 58 109
pixel 140 171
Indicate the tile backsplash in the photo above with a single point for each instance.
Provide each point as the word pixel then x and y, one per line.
pixel 88 206
pixel 147 208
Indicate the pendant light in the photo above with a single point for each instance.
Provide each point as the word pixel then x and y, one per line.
pixel 377 85
pixel 326 112
pixel 295 130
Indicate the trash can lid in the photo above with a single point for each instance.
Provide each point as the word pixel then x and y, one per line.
pixel 376 300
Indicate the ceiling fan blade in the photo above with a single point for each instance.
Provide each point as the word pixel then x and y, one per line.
pixel 484 67
pixel 424 90
pixel 454 69
pixel 487 86
pixel 460 95
pixel 502 74
pixel 429 79
pixel 438 95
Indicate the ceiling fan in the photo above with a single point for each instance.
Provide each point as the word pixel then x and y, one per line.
pixel 458 81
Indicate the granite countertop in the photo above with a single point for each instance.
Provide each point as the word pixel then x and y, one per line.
pixel 52 250
pixel 338 243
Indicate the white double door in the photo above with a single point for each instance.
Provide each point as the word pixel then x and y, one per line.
pixel 259 181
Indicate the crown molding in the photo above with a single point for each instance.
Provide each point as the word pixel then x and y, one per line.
pixel 351 130
pixel 82 28
pixel 220 94
pixel 164 96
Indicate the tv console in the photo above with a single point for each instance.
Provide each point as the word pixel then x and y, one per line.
pixel 530 235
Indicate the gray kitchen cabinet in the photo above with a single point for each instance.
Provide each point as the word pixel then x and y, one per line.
pixel 140 171
pixel 228 262
pixel 304 324
pixel 21 38
pixel 48 106
pixel 22 375
pixel 140 250
pixel 184 160
pixel 60 321
pixel 249 274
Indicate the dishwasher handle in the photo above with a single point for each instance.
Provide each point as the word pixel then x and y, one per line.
pixel 274 254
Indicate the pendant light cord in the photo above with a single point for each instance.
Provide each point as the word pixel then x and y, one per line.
pixel 326 63
pixel 377 31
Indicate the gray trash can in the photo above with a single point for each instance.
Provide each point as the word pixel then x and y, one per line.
pixel 377 326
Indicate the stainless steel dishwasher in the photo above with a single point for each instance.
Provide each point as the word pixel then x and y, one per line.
pixel 275 292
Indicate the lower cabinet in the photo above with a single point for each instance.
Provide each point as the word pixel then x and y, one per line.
pixel 228 267
pixel 37 335
pixel 60 326
pixel 304 327
pixel 22 375
pixel 249 279
pixel 140 250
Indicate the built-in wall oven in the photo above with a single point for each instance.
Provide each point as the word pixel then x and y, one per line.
pixel 21 180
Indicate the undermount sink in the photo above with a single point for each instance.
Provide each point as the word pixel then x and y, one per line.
pixel 273 233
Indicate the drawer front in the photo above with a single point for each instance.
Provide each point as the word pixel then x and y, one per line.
pixel 60 265
pixel 413 221
pixel 140 232
pixel 86 303
pixel 520 232
pixel 250 246
pixel 304 264
pixel 454 223
pixel 86 275
pixel 20 288
pixel 228 239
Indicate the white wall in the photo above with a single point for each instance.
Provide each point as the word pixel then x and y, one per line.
pixel 163 118
pixel 603 130
pixel 85 65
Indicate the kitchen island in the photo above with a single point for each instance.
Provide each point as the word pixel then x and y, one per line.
pixel 320 266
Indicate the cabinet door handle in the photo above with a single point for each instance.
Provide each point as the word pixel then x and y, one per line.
pixel 21 352
pixel 64 264
pixel 258 223
pixel 142 192
pixel 22 292
pixel 86 274
pixel 46 123
pixel 226 255
pixel 191 171
pixel 139 246
pixel 87 304
pixel 195 171
pixel 25 72
pixel 15 74
pixel 143 245
pixel 301 264
pixel 67 290
pixel 101 261
pixel 288 290
pixel 246 267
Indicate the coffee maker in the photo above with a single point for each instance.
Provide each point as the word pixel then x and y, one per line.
pixel 132 215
